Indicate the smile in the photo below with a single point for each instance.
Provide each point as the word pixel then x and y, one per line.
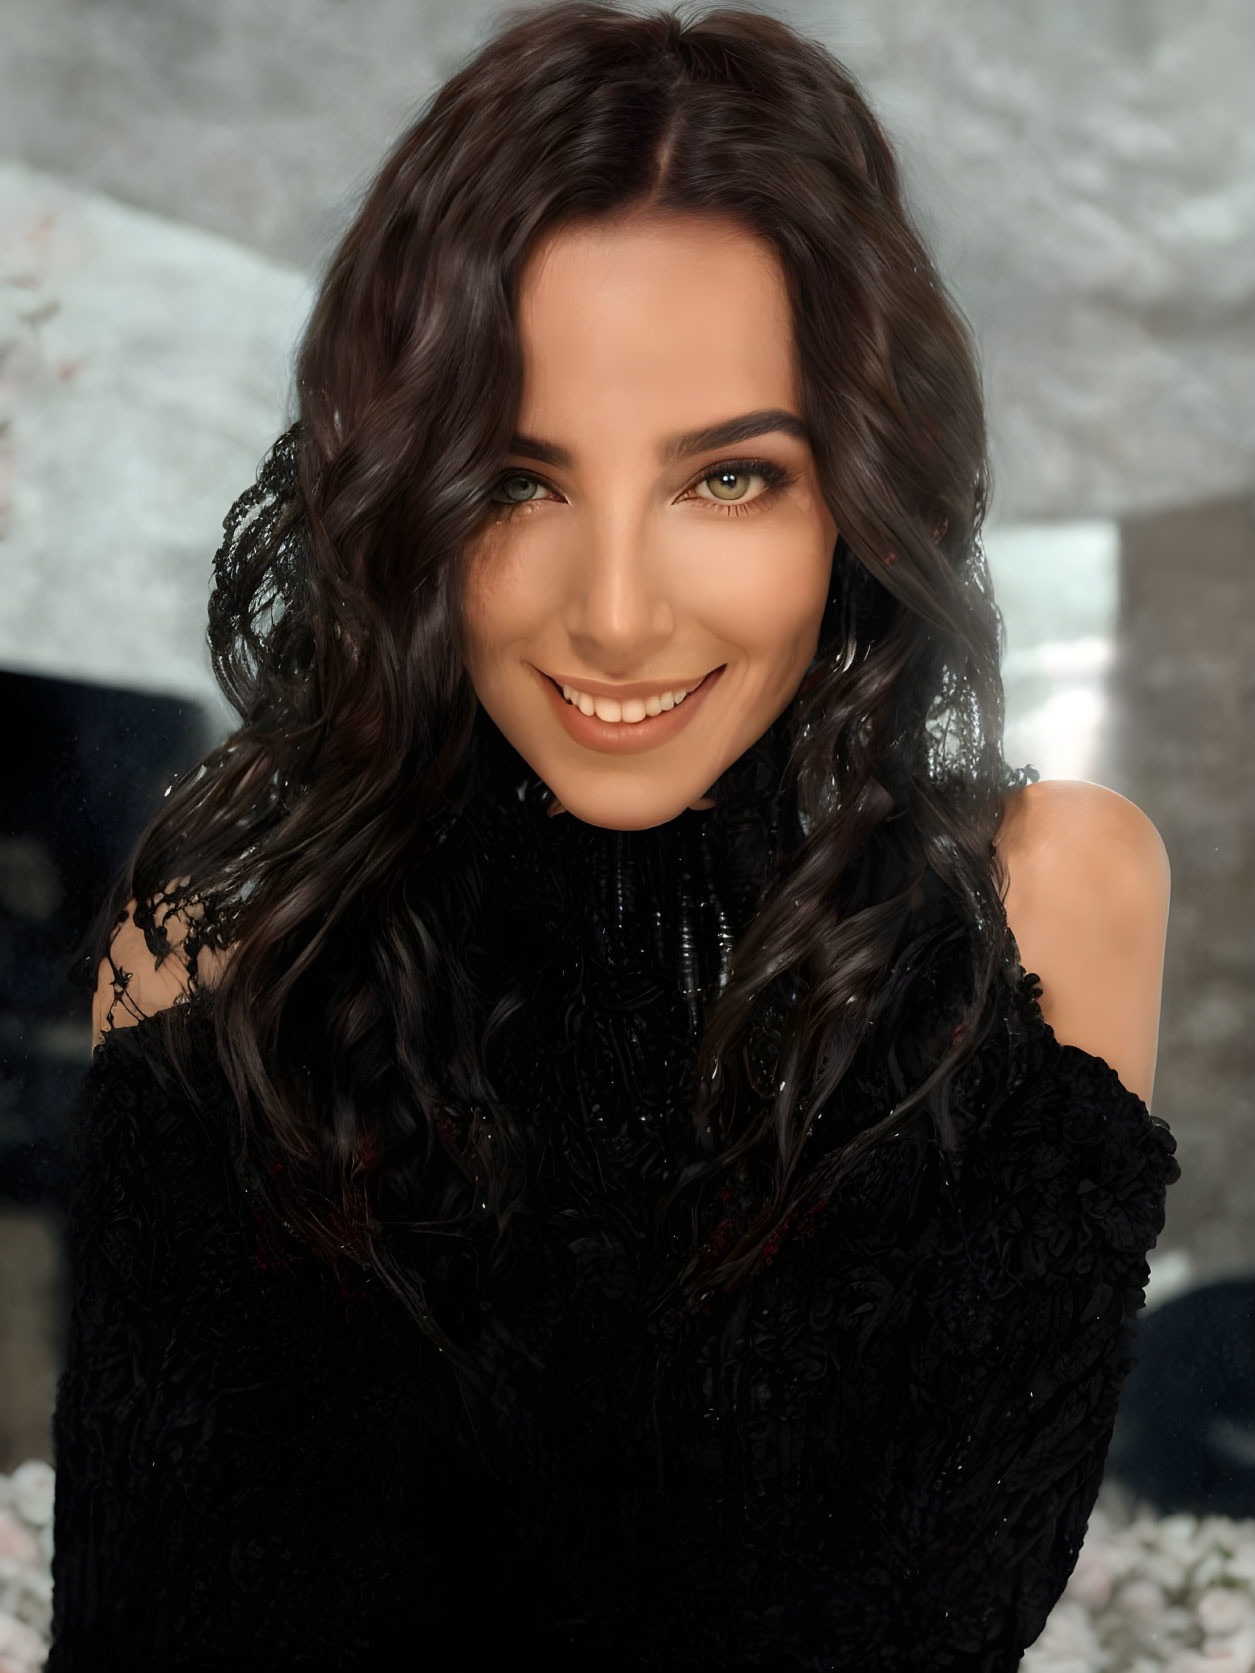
pixel 631 711
pixel 615 727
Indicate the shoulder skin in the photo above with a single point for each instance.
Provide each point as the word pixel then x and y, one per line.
pixel 1087 891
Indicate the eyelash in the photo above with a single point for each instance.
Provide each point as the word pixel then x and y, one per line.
pixel 775 476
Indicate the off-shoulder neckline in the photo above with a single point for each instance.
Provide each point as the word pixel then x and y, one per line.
pixel 1028 987
pixel 195 1007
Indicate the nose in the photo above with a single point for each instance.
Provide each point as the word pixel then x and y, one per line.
pixel 620 612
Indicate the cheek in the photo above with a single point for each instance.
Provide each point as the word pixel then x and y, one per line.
pixel 491 600
pixel 772 601
pixel 474 617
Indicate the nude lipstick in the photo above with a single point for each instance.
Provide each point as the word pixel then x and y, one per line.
pixel 628 737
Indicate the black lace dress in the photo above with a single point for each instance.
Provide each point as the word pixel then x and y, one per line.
pixel 880 1454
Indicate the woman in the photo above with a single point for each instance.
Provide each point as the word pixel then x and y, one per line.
pixel 589 1172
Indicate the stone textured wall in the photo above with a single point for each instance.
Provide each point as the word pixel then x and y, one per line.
pixel 143 370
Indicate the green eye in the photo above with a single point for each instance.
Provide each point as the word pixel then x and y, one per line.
pixel 729 486
pixel 738 474
pixel 719 480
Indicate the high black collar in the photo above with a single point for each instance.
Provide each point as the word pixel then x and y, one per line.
pixel 667 902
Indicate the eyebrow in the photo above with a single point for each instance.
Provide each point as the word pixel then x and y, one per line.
pixel 723 434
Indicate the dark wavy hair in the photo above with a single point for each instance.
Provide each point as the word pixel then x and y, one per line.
pixel 345 1018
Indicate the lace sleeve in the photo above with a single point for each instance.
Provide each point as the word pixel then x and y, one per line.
pixel 161 952
pixel 1018 777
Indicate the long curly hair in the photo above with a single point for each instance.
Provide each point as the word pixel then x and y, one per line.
pixel 310 843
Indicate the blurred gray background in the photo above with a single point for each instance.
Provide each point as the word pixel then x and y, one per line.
pixel 174 174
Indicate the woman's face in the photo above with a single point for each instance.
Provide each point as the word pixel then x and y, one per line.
pixel 657 522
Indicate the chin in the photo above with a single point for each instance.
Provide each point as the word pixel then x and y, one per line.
pixel 627 812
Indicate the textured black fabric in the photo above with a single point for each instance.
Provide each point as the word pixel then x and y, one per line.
pixel 881 1454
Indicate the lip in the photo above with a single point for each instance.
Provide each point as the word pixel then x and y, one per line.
pixel 624 693
pixel 621 737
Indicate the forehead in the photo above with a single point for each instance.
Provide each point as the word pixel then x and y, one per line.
pixel 656 309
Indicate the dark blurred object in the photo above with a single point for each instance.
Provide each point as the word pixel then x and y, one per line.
pixel 82 770
pixel 1185 1433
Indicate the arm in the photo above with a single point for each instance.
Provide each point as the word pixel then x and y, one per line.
pixel 1012 1331
pixel 1087 891
pixel 227 1411
pixel 1001 1396
pixel 123 1312
pixel 250 1470
pixel 132 1243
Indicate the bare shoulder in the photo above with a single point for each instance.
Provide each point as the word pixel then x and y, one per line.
pixel 133 983
pixel 1073 811
pixel 1087 885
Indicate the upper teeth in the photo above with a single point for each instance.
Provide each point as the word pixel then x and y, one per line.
pixel 634 709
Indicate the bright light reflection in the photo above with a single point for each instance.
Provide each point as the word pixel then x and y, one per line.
pixel 1057 585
